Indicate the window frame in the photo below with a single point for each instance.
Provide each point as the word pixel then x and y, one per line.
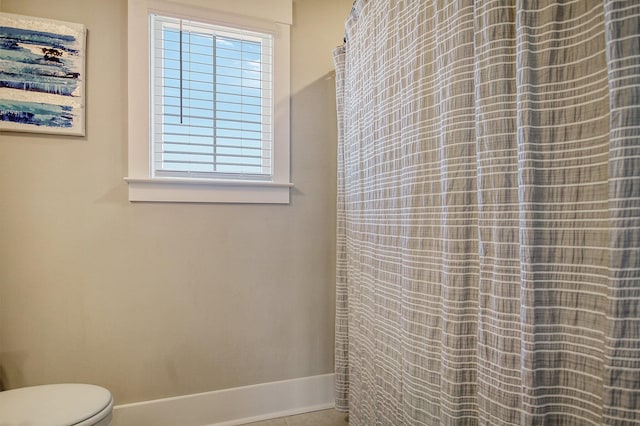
pixel 143 185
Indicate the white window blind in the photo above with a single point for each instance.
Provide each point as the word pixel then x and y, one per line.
pixel 211 101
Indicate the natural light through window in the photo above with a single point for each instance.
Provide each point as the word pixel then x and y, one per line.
pixel 212 100
pixel 209 101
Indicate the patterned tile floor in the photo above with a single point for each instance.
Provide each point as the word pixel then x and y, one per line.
pixel 317 418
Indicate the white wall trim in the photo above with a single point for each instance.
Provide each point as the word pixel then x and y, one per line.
pixel 234 406
pixel 140 167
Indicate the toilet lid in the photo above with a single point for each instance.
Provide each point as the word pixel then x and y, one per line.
pixel 59 405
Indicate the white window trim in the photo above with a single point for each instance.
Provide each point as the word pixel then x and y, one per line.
pixel 142 185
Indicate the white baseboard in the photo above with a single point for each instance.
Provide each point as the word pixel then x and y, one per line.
pixel 235 406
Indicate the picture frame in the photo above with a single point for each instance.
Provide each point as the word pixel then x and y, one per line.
pixel 42 75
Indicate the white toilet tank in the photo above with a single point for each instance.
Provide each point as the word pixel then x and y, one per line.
pixel 56 405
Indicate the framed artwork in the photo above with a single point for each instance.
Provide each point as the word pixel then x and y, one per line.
pixel 42 75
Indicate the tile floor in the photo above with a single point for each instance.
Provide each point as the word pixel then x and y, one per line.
pixel 317 418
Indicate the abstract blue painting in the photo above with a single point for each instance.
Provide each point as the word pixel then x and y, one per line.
pixel 42 76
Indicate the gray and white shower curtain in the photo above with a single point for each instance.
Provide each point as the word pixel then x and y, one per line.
pixel 488 259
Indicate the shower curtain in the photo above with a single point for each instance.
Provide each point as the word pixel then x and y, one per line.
pixel 488 229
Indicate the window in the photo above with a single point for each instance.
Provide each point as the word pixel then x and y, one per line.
pixel 217 107
pixel 211 100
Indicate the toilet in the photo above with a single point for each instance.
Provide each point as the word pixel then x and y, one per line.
pixel 70 404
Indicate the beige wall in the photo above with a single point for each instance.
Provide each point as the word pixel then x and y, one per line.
pixel 156 300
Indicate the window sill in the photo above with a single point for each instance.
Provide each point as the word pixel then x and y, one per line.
pixel 176 190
